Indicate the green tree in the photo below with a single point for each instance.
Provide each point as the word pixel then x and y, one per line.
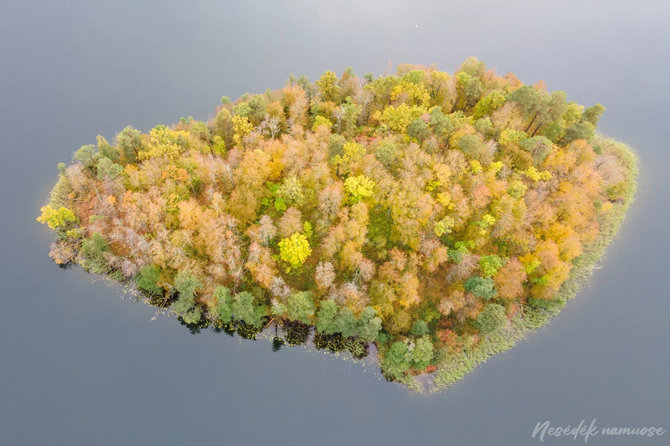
pixel 440 123
pixel 106 168
pixel 348 116
pixel 579 130
pixel 396 360
pixel 418 129
pixel 489 104
pixel 92 254
pixel 300 307
pixel 419 328
pixel 346 322
pixel 490 265
pixel 245 310
pixel 482 287
pixel 186 306
pixel 147 279
pixel 107 150
pixel 87 156
pixel 469 89
pixel 444 226
pixel 473 66
pixel 538 146
pixel 186 283
pixel 369 325
pixel 129 144
pixel 223 309
pixel 530 102
pixel 472 145
pixel 460 250
pixel 387 153
pixel 326 317
pixel 593 114
pixel 218 145
pixel 538 107
pixel 485 127
pixel 422 353
pixel 491 318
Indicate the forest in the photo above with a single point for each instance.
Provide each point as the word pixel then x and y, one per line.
pixel 435 217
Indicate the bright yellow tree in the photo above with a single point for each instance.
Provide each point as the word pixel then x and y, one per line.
pixel 55 218
pixel 294 250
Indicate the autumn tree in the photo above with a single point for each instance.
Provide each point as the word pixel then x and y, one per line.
pixel 328 88
pixel 294 250
pixel 509 279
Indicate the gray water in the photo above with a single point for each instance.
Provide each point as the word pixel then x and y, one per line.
pixel 79 365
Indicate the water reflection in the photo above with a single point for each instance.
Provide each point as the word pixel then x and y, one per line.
pixel 290 333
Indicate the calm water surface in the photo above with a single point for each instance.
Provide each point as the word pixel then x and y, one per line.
pixel 81 366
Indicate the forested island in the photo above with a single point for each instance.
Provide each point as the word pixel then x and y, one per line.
pixel 436 217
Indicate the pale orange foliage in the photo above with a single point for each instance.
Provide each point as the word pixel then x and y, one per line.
pixel 260 264
pixel 509 279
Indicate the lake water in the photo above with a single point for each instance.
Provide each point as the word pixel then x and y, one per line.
pixel 81 366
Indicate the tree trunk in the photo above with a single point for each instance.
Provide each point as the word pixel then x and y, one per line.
pixel 531 122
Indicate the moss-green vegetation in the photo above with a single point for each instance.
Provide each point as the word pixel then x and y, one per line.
pixel 440 217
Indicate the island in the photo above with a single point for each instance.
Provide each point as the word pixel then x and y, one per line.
pixel 427 219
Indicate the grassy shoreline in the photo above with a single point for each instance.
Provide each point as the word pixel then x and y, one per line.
pixel 457 366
